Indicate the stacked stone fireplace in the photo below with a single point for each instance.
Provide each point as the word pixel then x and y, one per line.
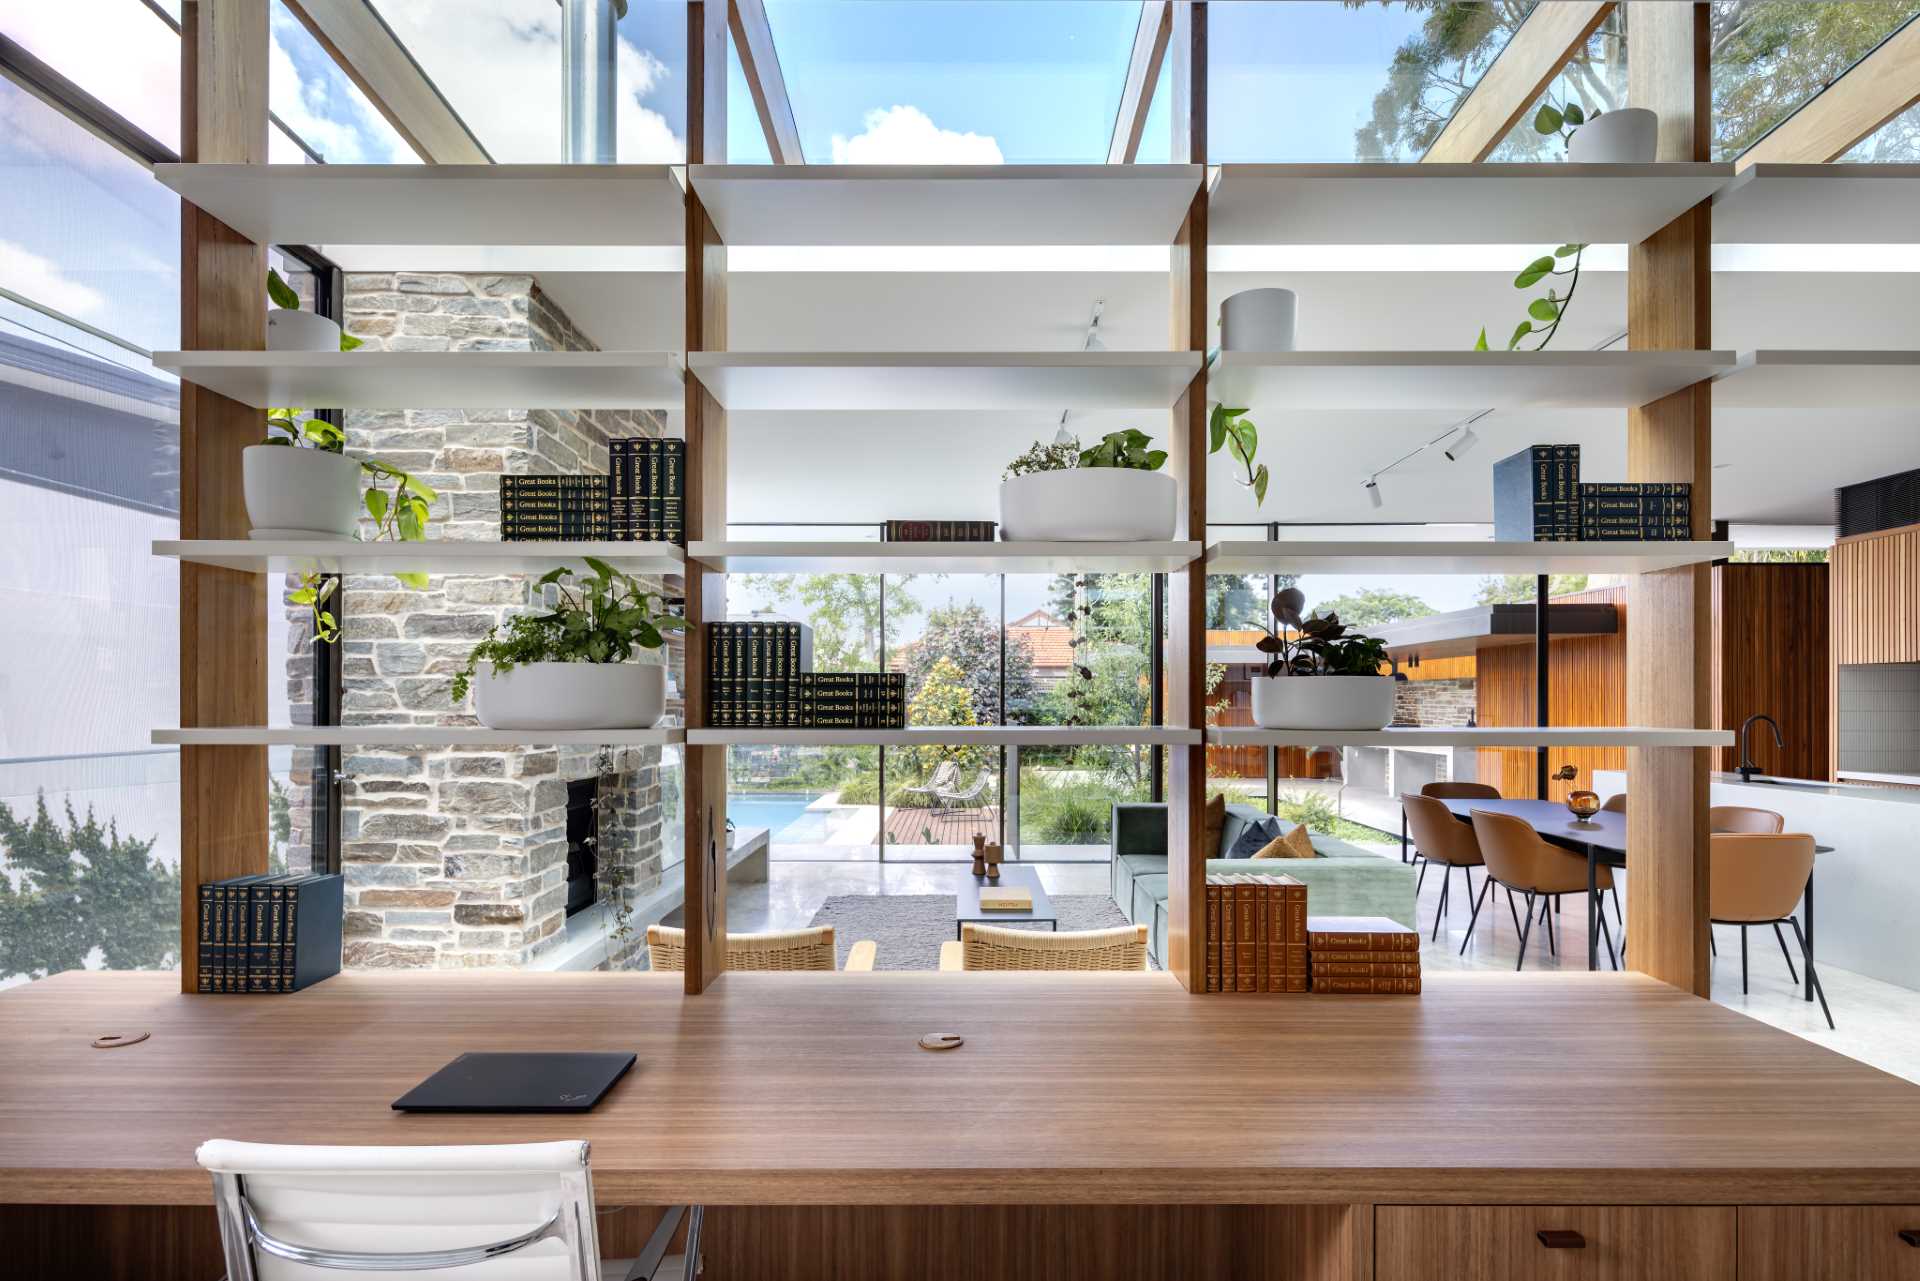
pixel 459 858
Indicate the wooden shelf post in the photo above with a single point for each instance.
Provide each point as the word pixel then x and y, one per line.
pixel 223 612
pixel 1669 623
pixel 706 426
pixel 1187 588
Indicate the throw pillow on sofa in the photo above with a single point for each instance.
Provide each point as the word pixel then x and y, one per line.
pixel 1215 822
pixel 1255 836
pixel 1295 844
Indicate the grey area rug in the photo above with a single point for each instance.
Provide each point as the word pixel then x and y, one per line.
pixel 908 929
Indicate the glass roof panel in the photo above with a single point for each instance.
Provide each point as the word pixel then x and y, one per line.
pixel 746 140
pixel 120 51
pixel 954 81
pixel 1770 57
pixel 317 105
pixel 1328 82
pixel 1895 142
pixel 1595 78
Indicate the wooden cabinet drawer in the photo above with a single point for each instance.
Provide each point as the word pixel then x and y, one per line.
pixel 1829 1243
pixel 1602 1243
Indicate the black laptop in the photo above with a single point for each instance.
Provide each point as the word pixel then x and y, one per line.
pixel 517 1083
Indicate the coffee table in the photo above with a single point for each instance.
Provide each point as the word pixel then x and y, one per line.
pixel 967 901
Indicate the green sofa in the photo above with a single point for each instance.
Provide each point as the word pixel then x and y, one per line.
pixel 1343 880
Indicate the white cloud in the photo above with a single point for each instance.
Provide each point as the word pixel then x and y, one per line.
pixel 308 109
pixel 905 135
pixel 31 276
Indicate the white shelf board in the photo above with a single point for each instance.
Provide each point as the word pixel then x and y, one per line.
pixel 1477 557
pixel 437 379
pixel 979 381
pixel 944 558
pixel 413 736
pixel 1456 380
pixel 1453 204
pixel 947 204
pixel 965 735
pixel 1834 204
pixel 439 204
pixel 438 556
pixel 1484 736
pixel 1821 380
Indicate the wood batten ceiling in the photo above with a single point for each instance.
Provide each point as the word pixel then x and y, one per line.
pixel 1540 47
pixel 753 40
pixel 1871 92
pixel 1143 74
pixel 366 49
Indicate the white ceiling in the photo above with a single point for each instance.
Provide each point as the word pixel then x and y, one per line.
pixel 1771 466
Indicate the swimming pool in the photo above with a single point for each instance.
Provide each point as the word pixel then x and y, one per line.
pixel 783 813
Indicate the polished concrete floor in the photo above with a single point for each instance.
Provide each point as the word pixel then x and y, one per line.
pixel 1877 1023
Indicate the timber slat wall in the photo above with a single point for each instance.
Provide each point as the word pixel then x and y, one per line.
pixel 1770 656
pixel 1876 594
pixel 1587 685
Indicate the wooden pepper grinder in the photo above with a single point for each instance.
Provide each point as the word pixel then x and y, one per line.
pixel 992 853
pixel 979 854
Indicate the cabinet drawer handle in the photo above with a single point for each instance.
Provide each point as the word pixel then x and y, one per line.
pixel 1911 1236
pixel 1561 1239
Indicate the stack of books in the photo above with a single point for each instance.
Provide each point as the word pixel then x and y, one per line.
pixel 266 933
pixel 937 531
pixel 759 677
pixel 1256 934
pixel 1363 954
pixel 1656 511
pixel 1536 495
pixel 648 501
pixel 553 508
pixel 853 700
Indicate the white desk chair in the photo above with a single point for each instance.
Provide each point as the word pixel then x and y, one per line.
pixel 501 1212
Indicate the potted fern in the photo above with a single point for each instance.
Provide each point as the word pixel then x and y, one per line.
pixel 1318 674
pixel 570 668
pixel 1113 492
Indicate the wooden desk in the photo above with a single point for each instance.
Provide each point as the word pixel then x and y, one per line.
pixel 808 1090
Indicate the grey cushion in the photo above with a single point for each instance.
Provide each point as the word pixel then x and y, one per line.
pixel 1147 890
pixel 1254 837
pixel 1238 816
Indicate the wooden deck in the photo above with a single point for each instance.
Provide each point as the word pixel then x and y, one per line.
pixel 941 827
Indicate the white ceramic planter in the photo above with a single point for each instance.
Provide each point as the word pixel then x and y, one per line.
pixel 1088 505
pixel 301 331
pixel 1628 136
pixel 571 696
pixel 1258 320
pixel 1323 702
pixel 300 493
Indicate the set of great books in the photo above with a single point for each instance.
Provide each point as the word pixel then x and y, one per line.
pixel 266 933
pixel 1256 934
pixel 1362 955
pixel 759 676
pixel 1538 496
pixel 642 499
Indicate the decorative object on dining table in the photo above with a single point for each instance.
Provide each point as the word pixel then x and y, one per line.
pixel 1583 805
pixel 1318 675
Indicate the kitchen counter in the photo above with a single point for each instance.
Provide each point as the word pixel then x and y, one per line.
pixel 1868 887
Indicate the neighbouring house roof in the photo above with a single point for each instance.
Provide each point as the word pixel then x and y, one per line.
pixel 1464 631
pixel 1050 646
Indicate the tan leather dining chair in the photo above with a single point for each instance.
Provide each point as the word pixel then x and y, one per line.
pixel 996 947
pixel 1616 804
pixel 1518 859
pixel 1744 818
pixel 1448 791
pixel 1757 878
pixel 808 949
pixel 1440 838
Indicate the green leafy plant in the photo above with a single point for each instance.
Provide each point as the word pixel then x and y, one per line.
pixel 601 618
pixel 1233 430
pixel 281 295
pixel 1315 645
pixel 1043 457
pixel 1550 310
pixel 1124 449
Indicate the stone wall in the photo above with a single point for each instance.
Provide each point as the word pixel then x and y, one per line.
pixel 1435 702
pixel 458 858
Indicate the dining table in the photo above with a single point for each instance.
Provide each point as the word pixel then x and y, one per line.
pixel 1602 839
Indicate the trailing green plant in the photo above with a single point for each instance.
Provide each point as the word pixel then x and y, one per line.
pixel 1314 645
pixel 1233 430
pixel 1126 449
pixel 1551 309
pixel 1044 457
pixel 602 618
pixel 281 295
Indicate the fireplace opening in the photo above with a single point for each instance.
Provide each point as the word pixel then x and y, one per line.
pixel 583 843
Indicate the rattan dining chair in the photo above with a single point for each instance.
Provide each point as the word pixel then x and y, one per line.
pixel 808 949
pixel 996 947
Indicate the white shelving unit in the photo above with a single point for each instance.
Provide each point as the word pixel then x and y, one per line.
pixel 960 735
pixel 1460 381
pixel 944 558
pixel 1500 736
pixel 1850 379
pixel 437 379
pixel 1453 204
pixel 1830 204
pixel 1478 557
pixel 977 381
pixel 298 556
pixel 413 736
pixel 439 204
pixel 948 204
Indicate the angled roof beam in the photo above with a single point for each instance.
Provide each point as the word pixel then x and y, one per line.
pixel 1873 91
pixel 1540 47
pixel 374 59
pixel 753 38
pixel 1143 73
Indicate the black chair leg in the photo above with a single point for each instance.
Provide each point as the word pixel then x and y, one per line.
pixel 1524 931
pixel 1512 911
pixel 1607 935
pixel 1440 908
pixel 1613 892
pixel 1743 960
pixel 1792 974
pixel 1712 945
pixel 1422 882
pixel 1485 885
pixel 1806 955
pixel 1546 918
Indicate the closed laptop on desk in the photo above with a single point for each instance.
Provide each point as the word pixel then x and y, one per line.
pixel 517 1083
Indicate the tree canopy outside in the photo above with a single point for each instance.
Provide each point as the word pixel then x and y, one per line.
pixel 964 634
pixel 66 891
pixel 1373 607
pixel 1518 589
pixel 843 610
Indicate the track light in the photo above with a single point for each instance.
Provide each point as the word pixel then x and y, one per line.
pixel 1063 436
pixel 1373 493
pixel 1466 441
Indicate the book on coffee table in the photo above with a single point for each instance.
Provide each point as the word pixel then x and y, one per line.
pixel 1008 899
